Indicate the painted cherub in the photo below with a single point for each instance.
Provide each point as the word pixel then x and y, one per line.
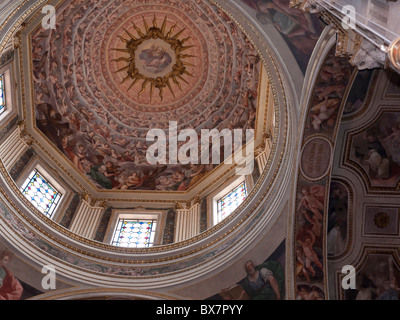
pixel 323 112
pixel 300 257
pixel 84 163
pixel 134 181
pixel 165 183
pixel 309 293
pixel 315 222
pixel 311 203
pixel 307 244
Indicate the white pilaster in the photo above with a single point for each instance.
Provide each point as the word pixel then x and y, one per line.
pixel 86 220
pixel 187 224
pixel 12 148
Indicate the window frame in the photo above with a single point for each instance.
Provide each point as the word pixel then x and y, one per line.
pixel 120 222
pixel 219 217
pixel 136 214
pixel 220 192
pixel 45 172
pixel 54 204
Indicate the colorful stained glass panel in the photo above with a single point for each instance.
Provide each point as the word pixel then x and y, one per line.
pixel 41 193
pixel 227 204
pixel 2 95
pixel 134 233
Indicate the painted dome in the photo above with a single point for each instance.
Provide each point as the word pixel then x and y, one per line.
pixel 112 71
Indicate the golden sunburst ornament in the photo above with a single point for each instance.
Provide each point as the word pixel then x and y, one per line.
pixel 156 57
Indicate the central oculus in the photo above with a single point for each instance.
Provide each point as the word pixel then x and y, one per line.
pixel 156 57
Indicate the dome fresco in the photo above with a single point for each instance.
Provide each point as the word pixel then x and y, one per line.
pixel 112 71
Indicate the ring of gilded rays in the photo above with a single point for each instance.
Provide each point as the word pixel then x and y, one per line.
pixel 179 69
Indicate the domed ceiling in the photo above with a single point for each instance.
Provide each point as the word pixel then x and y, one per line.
pixel 113 70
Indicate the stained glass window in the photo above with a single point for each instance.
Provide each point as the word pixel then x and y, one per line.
pixel 44 196
pixel 228 203
pixel 134 233
pixel 2 95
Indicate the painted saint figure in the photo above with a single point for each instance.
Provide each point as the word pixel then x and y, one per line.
pixel 10 288
pixel 263 282
pixel 310 201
